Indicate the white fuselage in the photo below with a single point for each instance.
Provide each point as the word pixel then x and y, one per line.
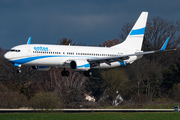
pixel 59 55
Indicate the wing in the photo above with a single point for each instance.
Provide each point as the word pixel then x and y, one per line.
pixel 108 60
pixel 96 61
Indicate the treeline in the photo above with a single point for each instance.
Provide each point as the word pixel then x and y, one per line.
pixel 154 78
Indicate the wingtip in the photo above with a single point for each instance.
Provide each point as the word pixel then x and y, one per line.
pixel 29 40
pixel 164 45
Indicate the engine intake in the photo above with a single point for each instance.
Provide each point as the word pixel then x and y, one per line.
pixel 73 65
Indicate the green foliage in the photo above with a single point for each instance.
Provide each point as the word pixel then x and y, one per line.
pixel 26 91
pixel 115 80
pixel 171 76
pixel 47 101
pixel 174 93
pixel 92 116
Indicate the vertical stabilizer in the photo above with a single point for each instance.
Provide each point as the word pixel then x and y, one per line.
pixel 135 38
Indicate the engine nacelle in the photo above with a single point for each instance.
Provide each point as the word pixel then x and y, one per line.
pixel 131 59
pixel 80 65
pixel 41 68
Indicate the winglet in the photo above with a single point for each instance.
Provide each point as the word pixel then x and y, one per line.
pixel 29 40
pixel 164 45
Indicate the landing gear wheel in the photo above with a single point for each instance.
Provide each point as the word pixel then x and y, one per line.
pixel 19 70
pixel 88 73
pixel 65 73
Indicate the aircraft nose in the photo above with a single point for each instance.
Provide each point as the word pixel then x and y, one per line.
pixel 7 56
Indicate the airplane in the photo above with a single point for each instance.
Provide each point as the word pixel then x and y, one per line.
pixel 82 58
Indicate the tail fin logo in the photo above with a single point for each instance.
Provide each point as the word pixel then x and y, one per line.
pixel 137 31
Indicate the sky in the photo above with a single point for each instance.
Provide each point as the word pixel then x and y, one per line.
pixel 89 22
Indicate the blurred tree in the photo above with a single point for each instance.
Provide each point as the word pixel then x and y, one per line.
pixel 146 78
pixel 9 99
pixel 65 41
pixel 71 88
pixel 171 76
pixel 95 84
pixel 110 43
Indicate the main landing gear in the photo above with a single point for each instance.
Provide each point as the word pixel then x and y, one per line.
pixel 88 73
pixel 65 72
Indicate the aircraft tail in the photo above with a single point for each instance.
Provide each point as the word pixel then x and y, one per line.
pixel 135 38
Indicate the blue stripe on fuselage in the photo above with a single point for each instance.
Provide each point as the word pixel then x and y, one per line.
pixel 29 59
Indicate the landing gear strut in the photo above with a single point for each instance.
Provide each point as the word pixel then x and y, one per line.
pixel 88 73
pixel 19 70
pixel 65 72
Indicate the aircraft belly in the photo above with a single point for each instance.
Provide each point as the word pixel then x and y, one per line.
pixel 46 62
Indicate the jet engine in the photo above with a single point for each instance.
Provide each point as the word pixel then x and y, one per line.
pixel 80 65
pixel 131 59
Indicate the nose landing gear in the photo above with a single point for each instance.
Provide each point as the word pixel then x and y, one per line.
pixel 19 70
pixel 19 67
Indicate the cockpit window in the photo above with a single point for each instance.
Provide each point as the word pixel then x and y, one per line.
pixel 13 50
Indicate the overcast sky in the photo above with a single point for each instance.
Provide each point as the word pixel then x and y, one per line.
pixel 85 21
